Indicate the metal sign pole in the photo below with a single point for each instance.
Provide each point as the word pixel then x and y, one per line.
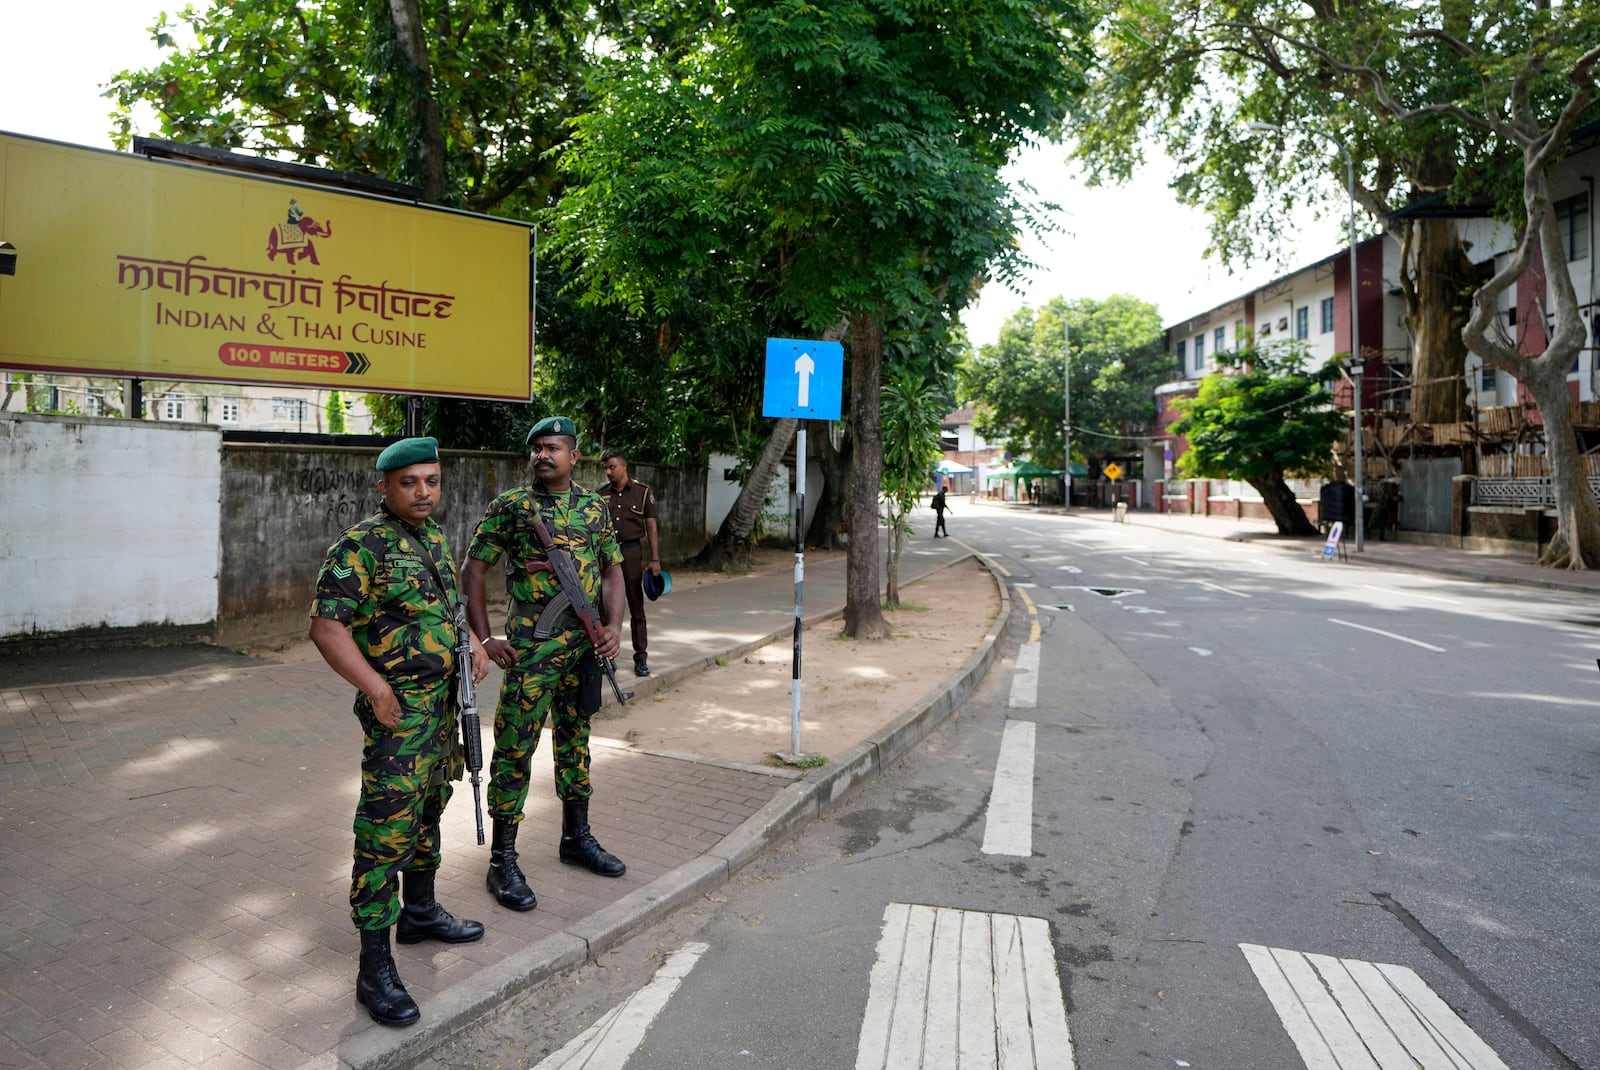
pixel 799 576
pixel 804 381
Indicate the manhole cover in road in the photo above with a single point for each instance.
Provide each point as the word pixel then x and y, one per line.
pixel 1105 592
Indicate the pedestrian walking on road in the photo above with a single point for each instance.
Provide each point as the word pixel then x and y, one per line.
pixel 633 517
pixel 542 672
pixel 384 618
pixel 939 506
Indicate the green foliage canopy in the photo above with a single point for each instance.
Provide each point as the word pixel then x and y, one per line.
pixel 1261 416
pixel 1117 361
pixel 323 84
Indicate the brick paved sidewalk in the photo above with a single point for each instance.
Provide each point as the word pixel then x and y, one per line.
pixel 177 853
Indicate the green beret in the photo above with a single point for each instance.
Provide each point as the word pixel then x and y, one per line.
pixel 409 451
pixel 553 425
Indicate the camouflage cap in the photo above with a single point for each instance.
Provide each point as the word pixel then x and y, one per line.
pixel 553 425
pixel 408 451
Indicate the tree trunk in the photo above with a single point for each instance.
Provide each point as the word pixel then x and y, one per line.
pixel 1286 511
pixel 1438 293
pixel 737 526
pixel 891 595
pixel 1576 543
pixel 863 612
pixel 413 45
pixel 827 521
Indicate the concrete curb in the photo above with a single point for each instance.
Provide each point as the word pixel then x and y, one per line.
pixel 798 803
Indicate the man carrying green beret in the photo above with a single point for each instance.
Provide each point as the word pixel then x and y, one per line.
pixel 384 618
pixel 542 674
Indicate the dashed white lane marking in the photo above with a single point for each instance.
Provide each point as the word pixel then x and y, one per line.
pixel 608 1044
pixel 1346 1014
pixel 1201 651
pixel 1008 826
pixel 1407 592
pixel 1224 590
pixel 1025 680
pixel 1389 635
pixel 964 990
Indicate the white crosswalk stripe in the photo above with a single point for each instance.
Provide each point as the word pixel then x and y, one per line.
pixel 963 990
pixel 610 1042
pixel 1008 825
pixel 1346 1014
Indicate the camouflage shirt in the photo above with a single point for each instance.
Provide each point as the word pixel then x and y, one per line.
pixel 578 522
pixel 376 582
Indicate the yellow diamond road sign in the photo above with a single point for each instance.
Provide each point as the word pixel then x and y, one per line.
pixel 1113 470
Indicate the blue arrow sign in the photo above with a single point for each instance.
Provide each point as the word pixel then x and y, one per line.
pixel 805 379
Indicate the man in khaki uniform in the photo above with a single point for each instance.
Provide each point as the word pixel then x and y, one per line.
pixel 633 517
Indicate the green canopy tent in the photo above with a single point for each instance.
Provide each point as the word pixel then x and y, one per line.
pixel 1024 471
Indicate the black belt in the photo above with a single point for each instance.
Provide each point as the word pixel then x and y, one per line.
pixel 516 607
pixel 627 544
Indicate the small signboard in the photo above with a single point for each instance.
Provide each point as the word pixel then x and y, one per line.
pixel 1335 533
pixel 805 379
pixel 1112 470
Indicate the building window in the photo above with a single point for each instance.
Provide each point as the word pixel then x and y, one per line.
pixel 1327 315
pixel 172 408
pixel 1485 380
pixel 289 409
pixel 1219 341
pixel 1199 351
pixel 1302 322
pixel 228 410
pixel 94 402
pixel 1238 334
pixel 1183 349
pixel 1572 216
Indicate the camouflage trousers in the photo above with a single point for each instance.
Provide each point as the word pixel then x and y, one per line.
pixel 543 684
pixel 405 783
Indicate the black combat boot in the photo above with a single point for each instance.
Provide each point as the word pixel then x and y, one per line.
pixel 378 986
pixel 578 845
pixel 506 882
pixel 423 918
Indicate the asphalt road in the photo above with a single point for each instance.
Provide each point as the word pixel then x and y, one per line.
pixel 1236 769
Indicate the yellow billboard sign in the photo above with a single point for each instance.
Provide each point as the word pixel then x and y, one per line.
pixel 141 268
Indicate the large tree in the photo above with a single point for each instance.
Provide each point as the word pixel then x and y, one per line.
pixel 849 151
pixel 1439 102
pixel 1193 75
pixel 1263 416
pixel 1117 360
pixel 378 87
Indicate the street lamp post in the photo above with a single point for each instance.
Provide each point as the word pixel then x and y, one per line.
pixel 1066 414
pixel 1356 365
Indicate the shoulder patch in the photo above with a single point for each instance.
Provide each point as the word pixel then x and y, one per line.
pixel 342 572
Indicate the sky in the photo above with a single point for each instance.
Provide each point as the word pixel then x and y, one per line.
pixel 1135 239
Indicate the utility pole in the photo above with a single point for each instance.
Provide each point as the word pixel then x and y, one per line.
pixel 1066 413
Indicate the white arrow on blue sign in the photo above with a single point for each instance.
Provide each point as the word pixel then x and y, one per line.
pixel 805 379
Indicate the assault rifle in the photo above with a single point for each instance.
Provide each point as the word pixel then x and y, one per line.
pixel 467 698
pixel 571 597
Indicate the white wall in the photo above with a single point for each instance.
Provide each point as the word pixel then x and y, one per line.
pixel 776 512
pixel 107 522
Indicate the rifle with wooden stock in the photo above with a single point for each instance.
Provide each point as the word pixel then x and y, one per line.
pixel 572 596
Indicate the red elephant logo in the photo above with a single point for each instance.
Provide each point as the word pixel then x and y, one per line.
pixel 293 237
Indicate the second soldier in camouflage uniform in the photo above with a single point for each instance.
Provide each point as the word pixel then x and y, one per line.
pixel 542 675
pixel 384 618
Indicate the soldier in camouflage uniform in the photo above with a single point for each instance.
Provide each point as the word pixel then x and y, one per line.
pixel 384 618
pixel 542 675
